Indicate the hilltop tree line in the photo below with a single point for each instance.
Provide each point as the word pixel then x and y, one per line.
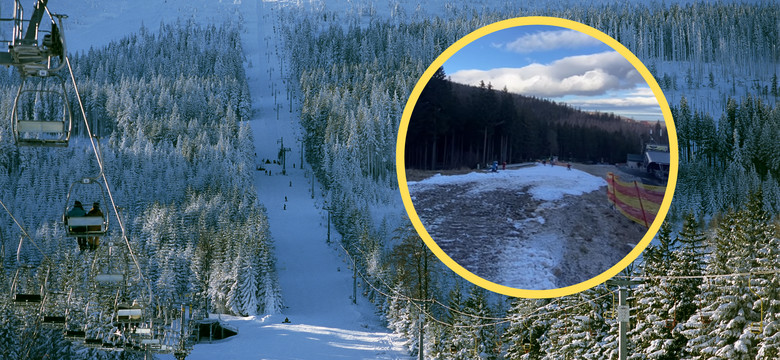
pixel 455 125
pixel 171 111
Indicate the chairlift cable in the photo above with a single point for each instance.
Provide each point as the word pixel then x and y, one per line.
pixel 497 321
pixel 102 174
pixel 703 276
pixel 25 234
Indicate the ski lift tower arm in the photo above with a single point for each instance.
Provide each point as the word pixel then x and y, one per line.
pixel 31 34
pixel 31 37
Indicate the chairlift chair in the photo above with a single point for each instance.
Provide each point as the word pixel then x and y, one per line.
pixel 41 114
pixel 25 290
pixel 107 268
pixel 74 335
pixel 129 313
pixel 28 51
pixel 113 342
pixel 152 341
pixel 756 327
pixel 86 226
pixel 55 309
pixel 94 343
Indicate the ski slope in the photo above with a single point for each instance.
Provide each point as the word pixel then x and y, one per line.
pixel 314 277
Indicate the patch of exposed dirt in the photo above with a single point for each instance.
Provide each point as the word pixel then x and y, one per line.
pixel 508 237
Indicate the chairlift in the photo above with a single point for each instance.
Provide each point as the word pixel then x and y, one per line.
pixel 107 269
pixel 94 343
pixel 34 48
pixel 671 322
pixel 55 309
pixel 113 342
pixel 26 290
pixel 129 313
pixel 86 227
pixel 41 114
pixel 152 341
pixel 527 342
pixel 74 335
pixel 612 313
pixel 38 52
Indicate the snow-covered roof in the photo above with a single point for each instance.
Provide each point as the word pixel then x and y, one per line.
pixel 658 157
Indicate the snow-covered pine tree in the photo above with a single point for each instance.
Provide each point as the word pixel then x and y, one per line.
pixel 729 308
pixel 482 335
pixel 458 337
pixel 519 336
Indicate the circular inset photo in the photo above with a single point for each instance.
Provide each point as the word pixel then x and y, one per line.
pixel 537 157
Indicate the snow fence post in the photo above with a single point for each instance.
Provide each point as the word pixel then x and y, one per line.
pixel 641 207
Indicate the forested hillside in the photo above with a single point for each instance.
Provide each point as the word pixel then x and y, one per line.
pixel 169 106
pixel 455 125
pixel 707 289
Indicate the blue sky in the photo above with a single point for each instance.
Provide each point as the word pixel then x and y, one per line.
pixel 558 64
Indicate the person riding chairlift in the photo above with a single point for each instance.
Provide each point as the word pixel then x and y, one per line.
pixel 94 241
pixel 77 211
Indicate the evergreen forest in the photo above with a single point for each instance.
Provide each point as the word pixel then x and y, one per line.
pixel 708 283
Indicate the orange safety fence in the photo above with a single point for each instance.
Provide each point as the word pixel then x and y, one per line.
pixel 636 201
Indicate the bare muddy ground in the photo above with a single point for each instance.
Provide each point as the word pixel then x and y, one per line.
pixel 508 237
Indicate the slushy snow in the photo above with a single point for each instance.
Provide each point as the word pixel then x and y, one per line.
pixel 547 183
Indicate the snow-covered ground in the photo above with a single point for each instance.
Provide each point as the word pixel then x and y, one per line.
pixel 314 277
pixel 537 227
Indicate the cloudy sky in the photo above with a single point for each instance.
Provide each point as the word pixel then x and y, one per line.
pixel 558 64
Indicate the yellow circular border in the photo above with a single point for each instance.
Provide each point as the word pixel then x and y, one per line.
pixel 401 145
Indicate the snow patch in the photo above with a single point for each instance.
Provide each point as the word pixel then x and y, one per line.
pixel 545 183
pixel 527 265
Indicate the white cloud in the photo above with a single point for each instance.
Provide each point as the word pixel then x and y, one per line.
pixel 550 40
pixel 588 75
pixel 627 101
pixel 639 104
